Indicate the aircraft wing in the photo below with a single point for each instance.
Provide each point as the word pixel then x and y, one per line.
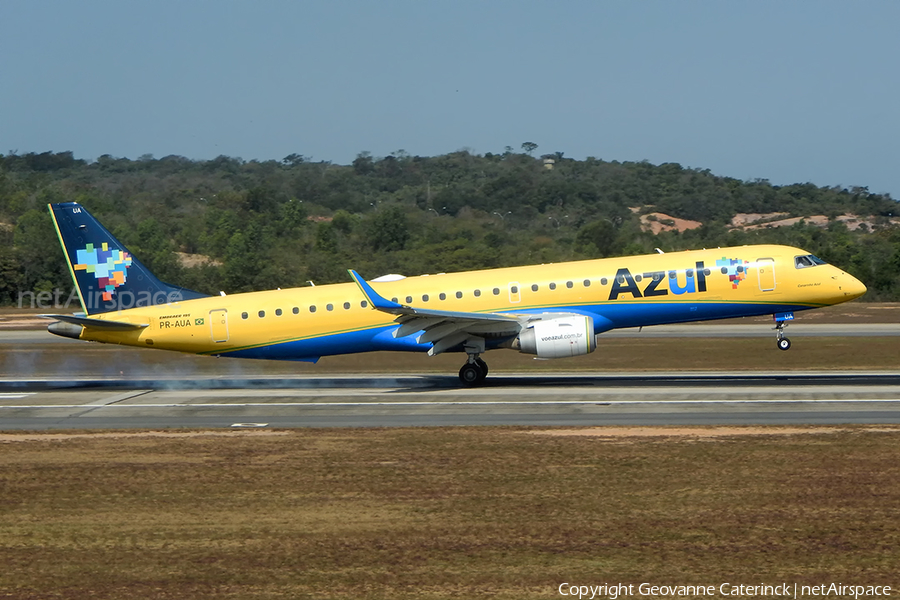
pixel 443 328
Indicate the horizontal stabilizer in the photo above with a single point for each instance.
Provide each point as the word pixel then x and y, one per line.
pixel 96 323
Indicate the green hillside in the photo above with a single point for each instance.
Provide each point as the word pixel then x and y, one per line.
pixel 249 225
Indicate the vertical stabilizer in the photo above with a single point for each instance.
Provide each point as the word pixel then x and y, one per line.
pixel 108 277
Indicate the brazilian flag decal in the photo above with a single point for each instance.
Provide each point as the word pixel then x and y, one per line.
pixel 198 321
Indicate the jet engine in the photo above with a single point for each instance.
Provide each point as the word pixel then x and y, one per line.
pixel 558 338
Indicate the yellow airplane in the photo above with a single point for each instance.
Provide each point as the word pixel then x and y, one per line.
pixel 551 311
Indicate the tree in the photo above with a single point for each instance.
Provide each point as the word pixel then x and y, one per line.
pixel 387 229
pixel 598 239
pixel 363 163
pixel 293 160
pixel 10 276
pixel 40 256
pixel 529 147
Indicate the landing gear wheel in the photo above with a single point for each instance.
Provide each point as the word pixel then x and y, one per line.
pixel 471 374
pixel 484 367
pixel 783 342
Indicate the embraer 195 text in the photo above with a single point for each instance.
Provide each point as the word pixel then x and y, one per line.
pixel 551 311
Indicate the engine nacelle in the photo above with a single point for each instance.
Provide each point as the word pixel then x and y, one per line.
pixel 558 338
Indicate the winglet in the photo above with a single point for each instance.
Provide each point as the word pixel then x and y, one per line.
pixel 371 295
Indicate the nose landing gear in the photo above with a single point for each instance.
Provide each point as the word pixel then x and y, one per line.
pixel 781 321
pixel 783 342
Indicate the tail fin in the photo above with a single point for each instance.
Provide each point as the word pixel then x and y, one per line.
pixel 107 276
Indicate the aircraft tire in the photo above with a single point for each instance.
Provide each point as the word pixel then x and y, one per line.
pixel 471 374
pixel 784 344
pixel 484 367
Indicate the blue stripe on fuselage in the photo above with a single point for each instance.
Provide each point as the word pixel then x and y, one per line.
pixel 642 314
pixel 606 317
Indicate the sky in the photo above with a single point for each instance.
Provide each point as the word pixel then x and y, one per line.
pixel 791 92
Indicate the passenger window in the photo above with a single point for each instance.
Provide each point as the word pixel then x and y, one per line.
pixel 672 274
pixel 534 287
pixel 394 300
pixel 424 297
pixel 459 294
pixel 552 286
pixel 603 281
pixel 295 310
pixel 496 291
pixel 477 293
pixel 363 304
pixel 689 272
pixel 587 283
pixel 569 284
pixel 329 307
pixel 638 278
pixel 262 314
pixel 277 312
pixel 706 272
pixel 620 279
pixel 312 309
pixel 443 296
pixel 346 306
pixel 244 315
pixel 514 289
pixel 409 299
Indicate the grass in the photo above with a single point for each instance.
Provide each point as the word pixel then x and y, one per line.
pixel 436 513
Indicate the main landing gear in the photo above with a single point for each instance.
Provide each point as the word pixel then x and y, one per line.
pixel 473 372
pixel 783 342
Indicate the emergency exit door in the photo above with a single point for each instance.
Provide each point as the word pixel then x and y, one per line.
pixel 218 325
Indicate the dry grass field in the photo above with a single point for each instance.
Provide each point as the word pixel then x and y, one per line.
pixel 438 513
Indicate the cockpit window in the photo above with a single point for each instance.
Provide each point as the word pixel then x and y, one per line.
pixel 802 262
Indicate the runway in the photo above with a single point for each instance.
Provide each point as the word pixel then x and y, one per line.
pixel 45 385
pixel 636 399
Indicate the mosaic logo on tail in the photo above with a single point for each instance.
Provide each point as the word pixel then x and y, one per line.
pixel 109 267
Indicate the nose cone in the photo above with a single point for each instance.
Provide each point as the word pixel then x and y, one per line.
pixel 852 287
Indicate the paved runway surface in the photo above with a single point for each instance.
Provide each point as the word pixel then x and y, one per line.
pixel 571 399
pixel 367 401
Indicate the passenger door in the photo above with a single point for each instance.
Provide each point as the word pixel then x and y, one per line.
pixel 765 271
